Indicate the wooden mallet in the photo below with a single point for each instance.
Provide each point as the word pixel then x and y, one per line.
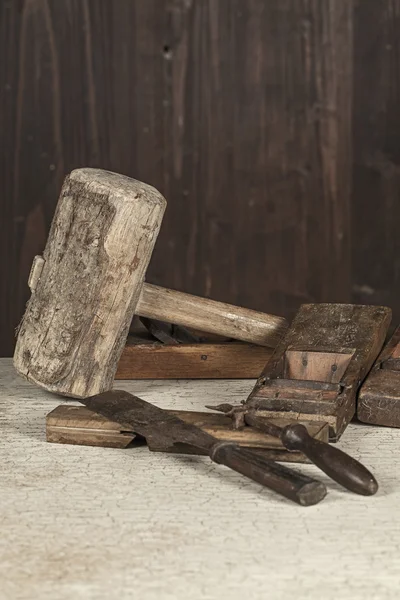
pixel 90 282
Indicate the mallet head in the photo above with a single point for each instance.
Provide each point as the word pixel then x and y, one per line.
pixel 86 286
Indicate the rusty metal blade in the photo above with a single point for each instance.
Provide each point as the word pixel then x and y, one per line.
pixel 148 420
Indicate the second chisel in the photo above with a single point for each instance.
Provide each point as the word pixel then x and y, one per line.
pixel 341 467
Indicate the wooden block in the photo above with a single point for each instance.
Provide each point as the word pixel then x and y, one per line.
pixel 379 398
pixel 229 360
pixel 86 287
pixel 78 425
pixel 316 370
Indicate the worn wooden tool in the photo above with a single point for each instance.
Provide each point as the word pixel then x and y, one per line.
pixel 316 370
pixel 341 467
pixel 379 397
pixel 90 282
pixel 68 424
pixel 166 430
pixel 178 353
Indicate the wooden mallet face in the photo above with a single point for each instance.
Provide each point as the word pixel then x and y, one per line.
pixel 86 287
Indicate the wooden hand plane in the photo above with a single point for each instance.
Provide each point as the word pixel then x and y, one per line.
pixel 316 370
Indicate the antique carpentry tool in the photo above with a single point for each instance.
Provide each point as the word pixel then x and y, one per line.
pixel 341 467
pixel 90 282
pixel 150 421
pixel 316 370
pixel 379 397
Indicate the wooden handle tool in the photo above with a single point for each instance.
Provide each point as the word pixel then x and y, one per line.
pixel 340 467
pixel 166 430
pixel 292 484
pixel 90 282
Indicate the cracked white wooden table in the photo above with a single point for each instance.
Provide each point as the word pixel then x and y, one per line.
pixel 79 522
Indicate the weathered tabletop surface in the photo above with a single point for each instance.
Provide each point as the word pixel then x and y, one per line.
pixel 80 522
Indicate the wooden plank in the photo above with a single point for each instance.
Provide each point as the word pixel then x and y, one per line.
pixel 376 144
pixel 78 425
pixel 238 111
pixel 292 71
pixel 192 361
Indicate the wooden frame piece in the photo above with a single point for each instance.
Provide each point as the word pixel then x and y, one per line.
pixel 379 397
pixel 316 370
pixel 146 359
pixel 68 424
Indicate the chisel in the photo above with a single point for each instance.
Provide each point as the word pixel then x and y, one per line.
pixel 165 429
pixel 341 467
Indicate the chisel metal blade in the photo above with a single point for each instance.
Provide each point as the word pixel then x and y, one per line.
pixel 165 429
pixel 148 420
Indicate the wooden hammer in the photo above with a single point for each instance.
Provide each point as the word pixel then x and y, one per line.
pixel 90 282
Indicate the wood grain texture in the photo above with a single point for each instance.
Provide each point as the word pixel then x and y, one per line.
pixel 78 317
pixel 210 316
pixel 378 401
pixel 77 425
pixel 355 333
pixel 376 156
pixel 317 366
pixel 192 361
pixel 239 112
pixel 99 523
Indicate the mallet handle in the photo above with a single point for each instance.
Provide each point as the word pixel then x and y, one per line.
pixel 210 316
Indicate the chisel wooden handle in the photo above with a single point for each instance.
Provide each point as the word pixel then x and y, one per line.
pixel 337 464
pixel 291 484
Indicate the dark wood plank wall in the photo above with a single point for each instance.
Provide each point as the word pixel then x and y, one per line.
pixel 376 154
pixel 272 127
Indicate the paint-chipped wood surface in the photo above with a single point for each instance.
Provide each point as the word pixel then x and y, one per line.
pixel 98 523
